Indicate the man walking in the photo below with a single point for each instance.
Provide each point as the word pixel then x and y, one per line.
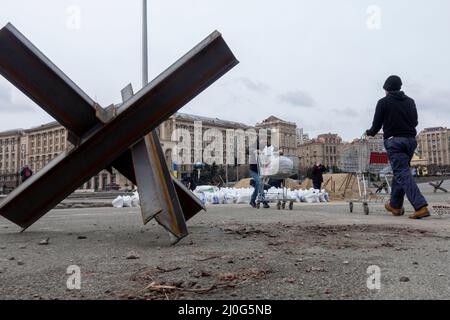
pixel 317 175
pixel 397 115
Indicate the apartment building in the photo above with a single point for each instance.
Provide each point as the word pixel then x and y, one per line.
pixel 286 132
pixel 38 146
pixel 201 132
pixel 326 148
pixel 10 152
pixel 434 145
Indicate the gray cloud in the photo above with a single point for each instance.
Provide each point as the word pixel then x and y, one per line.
pixel 345 112
pixel 436 101
pixel 8 105
pixel 252 85
pixel 297 99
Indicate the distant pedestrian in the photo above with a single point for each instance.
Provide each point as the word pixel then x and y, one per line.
pixel 258 193
pixel 397 115
pixel 190 183
pixel 317 175
pixel 26 173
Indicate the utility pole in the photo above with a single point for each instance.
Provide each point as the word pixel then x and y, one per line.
pixel 144 44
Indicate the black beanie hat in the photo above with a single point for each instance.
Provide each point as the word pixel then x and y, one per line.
pixel 393 83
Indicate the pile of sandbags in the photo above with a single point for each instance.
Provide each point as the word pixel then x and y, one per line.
pixel 243 195
pixel 126 201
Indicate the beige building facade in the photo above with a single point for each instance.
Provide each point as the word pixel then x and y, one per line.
pixel 10 152
pixel 326 148
pixel 38 146
pixel 434 146
pixel 196 133
pixel 286 132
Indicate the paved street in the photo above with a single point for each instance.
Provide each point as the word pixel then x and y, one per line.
pixel 316 251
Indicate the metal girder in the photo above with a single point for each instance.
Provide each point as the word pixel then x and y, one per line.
pixel 101 146
pixel 157 193
pixel 156 189
pixel 37 77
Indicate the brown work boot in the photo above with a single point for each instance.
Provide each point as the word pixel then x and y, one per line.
pixel 395 212
pixel 420 214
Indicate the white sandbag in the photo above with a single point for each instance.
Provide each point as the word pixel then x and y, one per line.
pixel 311 196
pixel 127 202
pixel 243 199
pixel 206 189
pixel 201 197
pixel 229 198
pixel 209 198
pixel 135 200
pixel 217 198
pixel 118 202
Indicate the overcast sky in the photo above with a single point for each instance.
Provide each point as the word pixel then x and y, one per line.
pixel 320 63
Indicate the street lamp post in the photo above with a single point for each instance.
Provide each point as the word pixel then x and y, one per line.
pixel 144 44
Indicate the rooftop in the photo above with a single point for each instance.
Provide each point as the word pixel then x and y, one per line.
pixel 11 132
pixel 273 119
pixel 216 121
pixel 45 126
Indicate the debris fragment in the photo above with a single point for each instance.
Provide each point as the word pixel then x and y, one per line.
pixel 290 280
pixel 404 279
pixel 316 269
pixel 154 286
pixel 167 270
pixel 44 242
pixel 207 258
pixel 201 274
pixel 251 274
pixel 132 255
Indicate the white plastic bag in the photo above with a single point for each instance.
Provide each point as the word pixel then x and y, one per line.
pixel 126 202
pixel 118 202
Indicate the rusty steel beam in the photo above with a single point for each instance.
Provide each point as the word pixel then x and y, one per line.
pixel 157 193
pixel 154 104
pixel 38 78
pixel 151 172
